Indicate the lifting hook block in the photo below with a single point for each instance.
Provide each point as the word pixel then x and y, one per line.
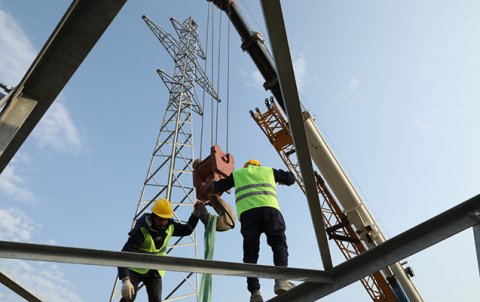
pixel 216 166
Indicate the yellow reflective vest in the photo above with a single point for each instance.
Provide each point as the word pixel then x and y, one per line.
pixel 254 187
pixel 148 246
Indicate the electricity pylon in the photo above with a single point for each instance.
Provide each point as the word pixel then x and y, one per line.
pixel 170 171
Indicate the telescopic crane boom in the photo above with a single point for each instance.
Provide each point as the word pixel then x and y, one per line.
pixel 323 157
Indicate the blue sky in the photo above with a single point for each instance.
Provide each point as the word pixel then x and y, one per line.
pixel 394 86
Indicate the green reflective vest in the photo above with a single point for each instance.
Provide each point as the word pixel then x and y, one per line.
pixel 254 187
pixel 148 246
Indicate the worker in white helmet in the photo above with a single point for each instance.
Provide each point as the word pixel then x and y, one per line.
pixel 151 234
pixel 259 212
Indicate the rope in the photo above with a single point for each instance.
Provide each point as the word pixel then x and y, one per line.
pixel 209 237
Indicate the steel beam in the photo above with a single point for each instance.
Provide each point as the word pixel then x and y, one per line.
pixel 272 12
pixel 38 252
pixel 17 288
pixel 3 101
pixel 12 118
pixel 476 236
pixel 424 235
pixel 75 35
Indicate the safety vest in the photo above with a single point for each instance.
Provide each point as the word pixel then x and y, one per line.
pixel 148 246
pixel 254 187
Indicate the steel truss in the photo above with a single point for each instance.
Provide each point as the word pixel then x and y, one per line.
pixel 317 283
pixel 69 48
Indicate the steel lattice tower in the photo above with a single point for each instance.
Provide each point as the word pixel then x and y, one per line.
pixel 170 171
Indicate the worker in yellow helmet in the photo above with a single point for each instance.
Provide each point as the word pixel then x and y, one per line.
pixel 151 234
pixel 259 212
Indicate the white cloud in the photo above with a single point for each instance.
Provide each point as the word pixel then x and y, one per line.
pixel 51 242
pixel 16 49
pixel 12 183
pixel 8 298
pixel 423 124
pixel 45 280
pixel 350 90
pixel 300 67
pixel 255 79
pixel 353 84
pixel 15 225
pixel 56 131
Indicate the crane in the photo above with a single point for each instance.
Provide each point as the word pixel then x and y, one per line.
pixel 274 125
pixel 353 206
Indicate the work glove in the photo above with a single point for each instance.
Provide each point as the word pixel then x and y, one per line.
pixel 128 291
pixel 195 207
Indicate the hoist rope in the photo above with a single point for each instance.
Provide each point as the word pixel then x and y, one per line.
pixel 215 110
pixel 228 80
pixel 203 94
pixel 220 13
pixel 212 107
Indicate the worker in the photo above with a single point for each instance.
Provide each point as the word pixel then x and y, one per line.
pixel 151 234
pixel 259 212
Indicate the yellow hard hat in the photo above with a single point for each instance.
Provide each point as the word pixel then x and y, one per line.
pixel 252 162
pixel 162 208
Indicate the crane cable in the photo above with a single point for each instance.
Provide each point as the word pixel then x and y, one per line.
pixel 215 111
pixel 228 80
pixel 228 103
pixel 218 70
pixel 212 61
pixel 210 229
pixel 204 68
pixel 228 92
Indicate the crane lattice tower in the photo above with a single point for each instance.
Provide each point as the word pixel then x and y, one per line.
pixel 170 170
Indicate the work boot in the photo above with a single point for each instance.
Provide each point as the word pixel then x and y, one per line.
pixel 282 286
pixel 256 296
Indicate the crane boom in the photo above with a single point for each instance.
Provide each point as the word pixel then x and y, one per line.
pixel 323 157
pixel 338 227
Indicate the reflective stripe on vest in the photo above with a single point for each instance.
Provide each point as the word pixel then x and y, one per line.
pixel 254 187
pixel 148 246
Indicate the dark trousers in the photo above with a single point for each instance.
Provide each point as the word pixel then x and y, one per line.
pixel 153 283
pixel 266 220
